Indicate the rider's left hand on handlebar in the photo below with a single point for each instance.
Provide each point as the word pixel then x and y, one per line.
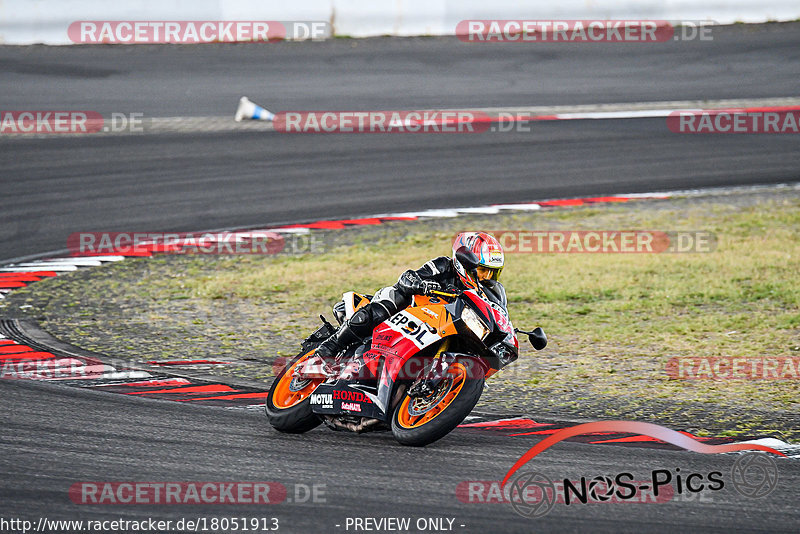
pixel 424 287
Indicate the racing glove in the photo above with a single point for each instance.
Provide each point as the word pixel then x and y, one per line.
pixel 424 287
pixel 411 283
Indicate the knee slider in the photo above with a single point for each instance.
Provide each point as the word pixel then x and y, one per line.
pixel 362 317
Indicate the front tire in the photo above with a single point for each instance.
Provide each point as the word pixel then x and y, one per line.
pixel 418 421
pixel 288 407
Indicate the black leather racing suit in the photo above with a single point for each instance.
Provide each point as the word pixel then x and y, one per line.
pixel 389 300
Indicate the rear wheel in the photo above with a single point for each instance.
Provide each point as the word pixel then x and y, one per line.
pixel 288 407
pixel 418 421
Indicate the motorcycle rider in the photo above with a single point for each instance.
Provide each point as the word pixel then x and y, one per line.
pixel 441 272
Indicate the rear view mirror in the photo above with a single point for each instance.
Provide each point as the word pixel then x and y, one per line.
pixel 538 338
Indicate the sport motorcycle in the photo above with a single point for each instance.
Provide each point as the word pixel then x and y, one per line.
pixel 419 375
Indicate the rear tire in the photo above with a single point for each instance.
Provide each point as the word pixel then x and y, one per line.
pixel 288 407
pixel 420 421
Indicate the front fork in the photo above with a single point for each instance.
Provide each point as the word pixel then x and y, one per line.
pixel 426 385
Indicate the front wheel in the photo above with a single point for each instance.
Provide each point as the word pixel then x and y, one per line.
pixel 288 407
pixel 418 421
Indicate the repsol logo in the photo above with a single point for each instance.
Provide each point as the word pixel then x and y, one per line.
pixel 351 396
pixel 320 398
pixel 413 329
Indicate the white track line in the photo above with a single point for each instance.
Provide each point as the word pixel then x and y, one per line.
pixel 50 266
pixel 79 257
pixel 79 261
pixel 789 449
pixel 37 267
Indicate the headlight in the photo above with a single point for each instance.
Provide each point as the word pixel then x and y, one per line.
pixel 474 323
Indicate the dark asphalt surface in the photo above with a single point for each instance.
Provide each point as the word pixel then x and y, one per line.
pixel 207 181
pixel 52 187
pixel 404 73
pixel 53 437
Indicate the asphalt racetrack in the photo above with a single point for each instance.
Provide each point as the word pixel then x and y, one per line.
pixel 54 437
pixel 198 181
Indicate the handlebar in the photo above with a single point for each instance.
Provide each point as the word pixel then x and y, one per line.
pixel 445 294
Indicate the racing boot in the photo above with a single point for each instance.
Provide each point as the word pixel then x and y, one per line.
pixel 343 339
pixel 355 330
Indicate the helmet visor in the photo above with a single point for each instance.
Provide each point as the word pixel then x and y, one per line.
pixel 489 273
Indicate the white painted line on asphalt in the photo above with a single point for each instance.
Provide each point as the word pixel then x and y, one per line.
pixel 126 375
pixel 285 230
pixel 52 266
pixel 79 261
pixel 98 258
pixel 488 210
pixel 22 268
pixel 679 105
pixel 645 195
pixel 522 207
pixel 428 213
pixel 789 449
pixel 155 382
pixel 645 113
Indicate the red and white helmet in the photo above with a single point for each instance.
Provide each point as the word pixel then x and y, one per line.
pixel 486 248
